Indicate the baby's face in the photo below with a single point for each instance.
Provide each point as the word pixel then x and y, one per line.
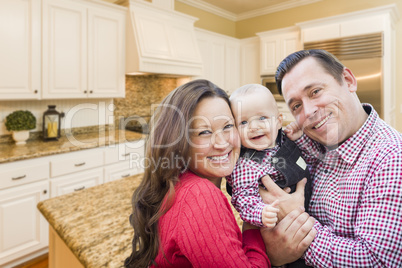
pixel 257 119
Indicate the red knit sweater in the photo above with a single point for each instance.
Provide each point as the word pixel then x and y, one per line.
pixel 200 230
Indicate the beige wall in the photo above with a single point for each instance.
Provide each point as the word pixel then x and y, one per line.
pixel 325 8
pixel 208 21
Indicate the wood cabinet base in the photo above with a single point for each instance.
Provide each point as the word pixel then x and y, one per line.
pixel 60 255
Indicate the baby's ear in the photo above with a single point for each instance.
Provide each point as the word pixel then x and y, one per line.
pixel 280 120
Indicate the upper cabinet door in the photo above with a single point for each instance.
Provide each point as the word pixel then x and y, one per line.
pixel 106 47
pixel 64 49
pixel 20 52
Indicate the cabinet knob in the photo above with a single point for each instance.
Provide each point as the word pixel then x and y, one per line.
pixel 45 191
pixel 91 91
pixel 36 91
pixel 85 91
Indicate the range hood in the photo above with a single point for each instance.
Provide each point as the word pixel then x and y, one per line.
pixel 161 41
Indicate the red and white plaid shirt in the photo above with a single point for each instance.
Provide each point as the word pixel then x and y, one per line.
pixel 357 198
pixel 245 181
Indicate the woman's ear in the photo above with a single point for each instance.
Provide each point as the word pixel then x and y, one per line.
pixel 350 79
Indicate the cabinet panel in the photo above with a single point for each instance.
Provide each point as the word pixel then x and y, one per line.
pixel 22 228
pixel 23 172
pixel 74 162
pixel 362 26
pixel 269 51
pixel 321 32
pixel 275 46
pixel 232 67
pixel 250 62
pixel 155 41
pixel 106 48
pixel 20 49
pixel 76 182
pixel 64 49
pixel 122 170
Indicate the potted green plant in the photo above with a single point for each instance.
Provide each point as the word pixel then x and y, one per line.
pixel 20 122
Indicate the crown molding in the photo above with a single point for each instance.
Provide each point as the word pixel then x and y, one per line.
pixel 274 8
pixel 246 15
pixel 210 8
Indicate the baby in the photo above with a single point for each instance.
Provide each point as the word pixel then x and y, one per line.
pixel 266 151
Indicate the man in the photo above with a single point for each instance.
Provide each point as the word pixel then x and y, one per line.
pixel 356 169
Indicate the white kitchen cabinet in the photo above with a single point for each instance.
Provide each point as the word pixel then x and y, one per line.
pixel 23 172
pixel 221 59
pixel 20 49
pixel 23 229
pixel 122 170
pixel 76 161
pixel 250 61
pixel 275 45
pixel 75 182
pixel 126 159
pixel 83 50
pixel 340 26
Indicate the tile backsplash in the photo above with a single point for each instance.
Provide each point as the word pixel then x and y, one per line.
pixel 141 93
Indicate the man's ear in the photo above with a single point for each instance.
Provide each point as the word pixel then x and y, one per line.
pixel 350 79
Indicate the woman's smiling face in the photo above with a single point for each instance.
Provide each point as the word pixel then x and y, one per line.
pixel 214 140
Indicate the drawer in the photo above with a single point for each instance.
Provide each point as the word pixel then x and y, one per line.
pixel 122 170
pixel 76 161
pixel 23 172
pixel 131 150
pixel 75 182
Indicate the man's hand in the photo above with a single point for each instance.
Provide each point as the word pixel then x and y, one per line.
pixel 290 238
pixel 287 202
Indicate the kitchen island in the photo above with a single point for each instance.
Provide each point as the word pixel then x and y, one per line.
pixel 92 223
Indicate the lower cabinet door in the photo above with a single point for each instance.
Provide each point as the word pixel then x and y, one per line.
pixel 76 181
pixel 23 229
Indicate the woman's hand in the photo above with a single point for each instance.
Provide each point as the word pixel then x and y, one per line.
pixel 287 202
pixel 290 238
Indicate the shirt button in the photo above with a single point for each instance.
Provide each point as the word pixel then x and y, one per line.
pixel 275 160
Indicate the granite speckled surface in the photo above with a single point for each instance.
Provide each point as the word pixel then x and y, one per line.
pixel 10 152
pixel 94 223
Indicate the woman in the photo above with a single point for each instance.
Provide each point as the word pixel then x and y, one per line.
pixel 180 216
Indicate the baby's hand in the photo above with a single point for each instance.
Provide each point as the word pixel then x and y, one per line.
pixel 270 214
pixel 293 131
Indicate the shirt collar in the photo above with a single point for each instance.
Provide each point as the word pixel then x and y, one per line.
pixel 350 149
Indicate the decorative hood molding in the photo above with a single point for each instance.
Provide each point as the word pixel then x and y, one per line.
pixel 161 41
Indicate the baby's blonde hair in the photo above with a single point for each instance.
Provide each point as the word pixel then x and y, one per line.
pixel 249 89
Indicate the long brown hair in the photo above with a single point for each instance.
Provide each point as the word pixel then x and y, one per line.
pixel 166 152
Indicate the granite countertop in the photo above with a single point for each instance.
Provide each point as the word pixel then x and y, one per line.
pixel 94 223
pixel 10 152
